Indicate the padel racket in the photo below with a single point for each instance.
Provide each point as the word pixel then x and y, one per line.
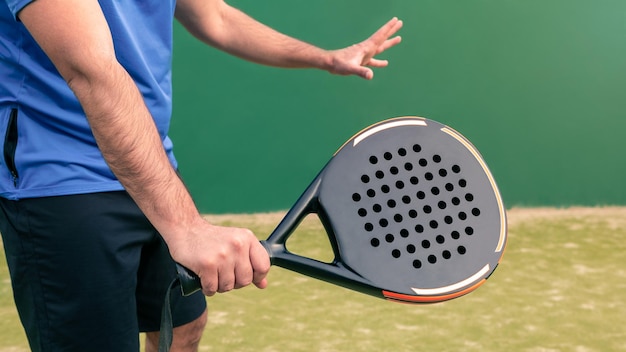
pixel 411 210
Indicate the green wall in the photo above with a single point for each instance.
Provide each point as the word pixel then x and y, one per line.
pixel 539 86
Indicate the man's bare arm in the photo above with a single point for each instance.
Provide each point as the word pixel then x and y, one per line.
pixel 79 43
pixel 227 28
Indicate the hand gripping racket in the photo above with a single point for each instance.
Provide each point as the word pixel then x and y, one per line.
pixel 411 210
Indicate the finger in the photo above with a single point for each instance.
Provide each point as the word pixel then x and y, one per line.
pixel 262 284
pixel 260 262
pixel 209 283
pixel 367 74
pixel 386 31
pixel 226 277
pixel 377 63
pixel 243 272
pixel 388 44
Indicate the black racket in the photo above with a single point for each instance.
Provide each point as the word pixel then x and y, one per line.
pixel 411 210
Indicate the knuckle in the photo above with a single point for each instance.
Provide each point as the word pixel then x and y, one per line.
pixel 244 280
pixel 209 290
pixel 238 243
pixel 227 286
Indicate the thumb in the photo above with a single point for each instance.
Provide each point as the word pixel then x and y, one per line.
pixel 261 284
pixel 260 261
pixel 366 73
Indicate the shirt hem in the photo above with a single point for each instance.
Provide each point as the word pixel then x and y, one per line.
pixel 62 191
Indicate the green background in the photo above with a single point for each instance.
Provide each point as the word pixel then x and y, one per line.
pixel 539 87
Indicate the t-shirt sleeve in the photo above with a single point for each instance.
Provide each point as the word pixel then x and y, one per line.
pixel 17 5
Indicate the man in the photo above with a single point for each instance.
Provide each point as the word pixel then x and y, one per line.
pixel 92 208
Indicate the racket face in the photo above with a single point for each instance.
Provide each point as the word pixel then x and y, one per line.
pixel 414 210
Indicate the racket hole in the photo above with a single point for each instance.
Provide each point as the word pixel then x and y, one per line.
pixel 385 189
pixel 462 183
pixel 440 239
pixel 410 248
pixel 362 212
pixel 432 259
pixel 455 235
pixel 443 172
pixel 414 180
pixel 469 197
pixel 428 176
pixel 380 174
pixel 394 170
pixel 396 253
pixel 420 195
pixel 462 215
pixel 373 160
pixel 417 148
pixel 375 242
pixel 469 231
pixel 448 219
pixel 397 218
pixel 389 238
pixel 456 169
pixel 456 201
pixel 383 222
pixel 387 156
pixel 436 158
pixel 442 205
pixel 369 227
pixel 434 190
pixel 377 208
pixel 449 187
pixel 462 250
pixel 391 203
pixel 427 209
pixel 371 193
pixel 402 152
pixel 423 162
pixel 365 179
pixel 446 254
pixel 408 166
pixel 419 228
pixel 425 244
pixel 406 199
pixel 417 264
pixel 433 224
pixel 356 197
pixel 399 185
pixel 412 213
pixel 404 233
pixel 475 211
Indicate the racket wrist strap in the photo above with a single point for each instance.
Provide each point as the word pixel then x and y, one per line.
pixel 167 327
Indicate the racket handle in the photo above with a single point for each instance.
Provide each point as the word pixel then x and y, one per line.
pixel 189 281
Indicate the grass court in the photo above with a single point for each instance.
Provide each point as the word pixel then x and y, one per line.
pixel 560 287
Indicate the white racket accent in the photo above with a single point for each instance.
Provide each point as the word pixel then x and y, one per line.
pixel 480 160
pixel 447 289
pixel 385 126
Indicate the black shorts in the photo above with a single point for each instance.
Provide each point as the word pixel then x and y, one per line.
pixel 89 272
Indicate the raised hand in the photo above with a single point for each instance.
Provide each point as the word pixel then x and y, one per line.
pixel 358 58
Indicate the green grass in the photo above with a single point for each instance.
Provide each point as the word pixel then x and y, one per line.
pixel 561 287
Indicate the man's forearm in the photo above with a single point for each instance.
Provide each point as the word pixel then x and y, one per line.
pixel 229 29
pixel 131 145
pixel 225 27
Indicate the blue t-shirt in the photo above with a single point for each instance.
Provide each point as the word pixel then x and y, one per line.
pixel 48 148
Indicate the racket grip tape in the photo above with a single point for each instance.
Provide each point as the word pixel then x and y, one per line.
pixel 189 281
